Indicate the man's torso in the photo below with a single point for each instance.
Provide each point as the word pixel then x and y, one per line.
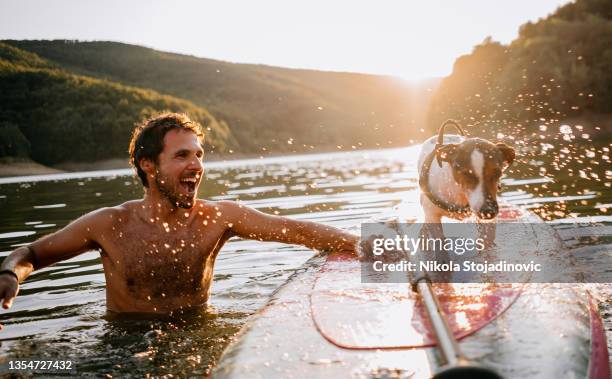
pixel 153 266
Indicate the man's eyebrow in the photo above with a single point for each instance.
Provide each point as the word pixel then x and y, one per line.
pixel 183 151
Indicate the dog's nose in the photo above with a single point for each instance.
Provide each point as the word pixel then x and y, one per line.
pixel 488 211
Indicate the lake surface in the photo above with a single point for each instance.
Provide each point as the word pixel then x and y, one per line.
pixel 60 312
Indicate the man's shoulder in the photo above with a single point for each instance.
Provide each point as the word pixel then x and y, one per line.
pixel 113 214
pixel 221 207
pixel 229 205
pixel 210 204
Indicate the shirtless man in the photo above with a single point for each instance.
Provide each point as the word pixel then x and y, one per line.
pixel 158 253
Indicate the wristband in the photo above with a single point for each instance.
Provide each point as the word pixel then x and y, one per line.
pixel 10 272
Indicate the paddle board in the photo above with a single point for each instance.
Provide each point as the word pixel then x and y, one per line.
pixel 325 323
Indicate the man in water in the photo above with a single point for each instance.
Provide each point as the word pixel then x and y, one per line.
pixel 158 252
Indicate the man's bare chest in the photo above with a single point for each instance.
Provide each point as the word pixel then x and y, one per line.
pixel 162 262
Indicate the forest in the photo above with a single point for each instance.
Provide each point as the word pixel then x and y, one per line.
pixel 52 116
pixel 267 109
pixel 65 100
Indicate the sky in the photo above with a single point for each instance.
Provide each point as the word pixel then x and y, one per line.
pixel 406 38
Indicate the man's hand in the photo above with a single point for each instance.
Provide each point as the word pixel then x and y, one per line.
pixel 9 287
pixel 367 251
pixel 366 248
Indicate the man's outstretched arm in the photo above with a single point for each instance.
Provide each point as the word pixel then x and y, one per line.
pixel 249 223
pixel 66 243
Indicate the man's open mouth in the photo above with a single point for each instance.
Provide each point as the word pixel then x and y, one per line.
pixel 189 184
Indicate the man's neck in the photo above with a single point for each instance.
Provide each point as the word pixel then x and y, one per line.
pixel 158 208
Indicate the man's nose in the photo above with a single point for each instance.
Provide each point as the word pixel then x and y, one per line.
pixel 196 164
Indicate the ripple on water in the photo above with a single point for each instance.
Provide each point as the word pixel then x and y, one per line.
pixel 48 206
pixel 17 234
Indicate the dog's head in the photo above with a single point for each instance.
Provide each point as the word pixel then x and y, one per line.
pixel 477 166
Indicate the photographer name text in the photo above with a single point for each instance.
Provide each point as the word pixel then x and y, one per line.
pixel 466 266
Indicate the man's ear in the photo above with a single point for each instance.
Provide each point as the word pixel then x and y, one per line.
pixel 147 166
pixel 507 152
pixel 446 153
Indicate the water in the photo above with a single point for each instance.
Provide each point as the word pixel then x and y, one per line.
pixel 60 312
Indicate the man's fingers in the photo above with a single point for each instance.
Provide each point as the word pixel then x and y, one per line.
pixel 7 303
pixel 366 246
pixel 7 297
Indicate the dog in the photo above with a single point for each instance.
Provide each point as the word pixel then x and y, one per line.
pixel 460 176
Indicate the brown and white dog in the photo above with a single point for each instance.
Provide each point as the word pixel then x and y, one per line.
pixel 460 176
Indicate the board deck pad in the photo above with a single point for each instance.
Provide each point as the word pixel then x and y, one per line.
pixel 391 315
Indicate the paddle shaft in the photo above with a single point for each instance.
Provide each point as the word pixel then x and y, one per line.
pixel 449 348
pixel 457 366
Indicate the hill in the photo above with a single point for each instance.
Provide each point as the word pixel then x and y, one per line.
pixel 265 107
pixel 53 116
pixel 557 69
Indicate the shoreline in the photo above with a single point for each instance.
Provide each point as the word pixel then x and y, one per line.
pixel 15 167
pixel 25 167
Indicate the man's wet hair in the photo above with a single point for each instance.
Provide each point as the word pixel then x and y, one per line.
pixel 148 138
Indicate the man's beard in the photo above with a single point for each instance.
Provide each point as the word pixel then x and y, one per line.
pixel 167 191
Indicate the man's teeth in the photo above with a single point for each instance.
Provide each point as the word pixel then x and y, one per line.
pixel 189 180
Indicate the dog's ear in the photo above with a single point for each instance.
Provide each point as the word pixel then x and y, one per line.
pixel 446 152
pixel 507 152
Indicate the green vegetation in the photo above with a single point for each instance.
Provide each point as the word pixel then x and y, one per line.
pixel 558 68
pixel 53 116
pixel 77 101
pixel 12 142
pixel 12 56
pixel 265 107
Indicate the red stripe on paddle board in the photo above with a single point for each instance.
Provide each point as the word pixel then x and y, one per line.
pixel 599 364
